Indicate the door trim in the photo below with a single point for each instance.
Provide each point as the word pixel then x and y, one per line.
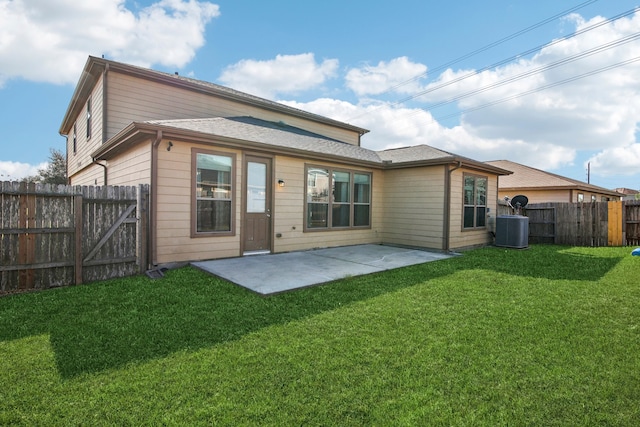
pixel 246 158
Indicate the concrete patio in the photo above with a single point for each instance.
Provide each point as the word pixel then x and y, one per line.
pixel 274 273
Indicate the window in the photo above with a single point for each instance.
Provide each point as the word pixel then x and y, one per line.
pixel 593 198
pixel 580 197
pixel 75 139
pixel 362 200
pixel 213 193
pixel 337 199
pixel 475 201
pixel 89 118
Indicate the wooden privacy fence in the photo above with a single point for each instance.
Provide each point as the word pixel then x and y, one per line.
pixel 56 235
pixel 583 224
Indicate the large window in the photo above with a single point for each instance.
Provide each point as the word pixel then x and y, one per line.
pixel 337 199
pixel 475 201
pixel 213 182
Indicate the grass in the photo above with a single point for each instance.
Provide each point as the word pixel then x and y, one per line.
pixel 545 336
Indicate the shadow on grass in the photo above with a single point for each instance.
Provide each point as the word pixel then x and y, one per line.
pixel 110 324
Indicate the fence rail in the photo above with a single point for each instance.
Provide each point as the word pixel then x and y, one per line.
pixel 582 224
pixel 53 235
pixel 631 222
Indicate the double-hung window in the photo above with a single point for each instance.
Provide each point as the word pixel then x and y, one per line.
pixel 337 199
pixel 213 193
pixel 475 201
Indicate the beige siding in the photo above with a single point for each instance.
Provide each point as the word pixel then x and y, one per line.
pixel 174 241
pixel 459 237
pixel 132 168
pixel 413 207
pixel 91 175
pixel 541 196
pixel 289 211
pixel 133 99
pixel 555 196
pixel 81 159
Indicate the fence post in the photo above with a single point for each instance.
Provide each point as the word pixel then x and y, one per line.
pixel 143 223
pixel 614 228
pixel 78 220
pixel 26 220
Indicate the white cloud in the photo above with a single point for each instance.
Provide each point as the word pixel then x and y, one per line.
pixel 393 127
pixel 547 128
pixel 290 74
pixel 49 40
pixel 617 161
pixel 398 75
pixel 14 171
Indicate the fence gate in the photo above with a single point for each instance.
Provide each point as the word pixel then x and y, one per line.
pixel 59 235
pixel 542 224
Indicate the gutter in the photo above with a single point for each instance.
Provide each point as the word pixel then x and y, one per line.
pixel 446 233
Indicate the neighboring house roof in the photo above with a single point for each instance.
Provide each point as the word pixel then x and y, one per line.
pixel 627 191
pixel 95 66
pixel 278 137
pixel 528 178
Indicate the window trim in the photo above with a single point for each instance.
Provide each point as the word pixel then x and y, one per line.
pixel 194 199
pixel 475 205
pixel 330 203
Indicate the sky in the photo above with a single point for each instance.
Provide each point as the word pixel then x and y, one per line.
pixel 552 84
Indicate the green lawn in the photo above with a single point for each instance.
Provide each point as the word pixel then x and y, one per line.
pixel 544 336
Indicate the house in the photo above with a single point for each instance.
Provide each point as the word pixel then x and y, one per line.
pixel 234 174
pixel 541 187
pixel 628 193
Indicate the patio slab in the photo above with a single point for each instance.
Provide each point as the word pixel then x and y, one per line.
pixel 274 273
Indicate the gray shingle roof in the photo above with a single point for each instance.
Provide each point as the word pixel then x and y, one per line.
pixel 414 153
pixel 275 134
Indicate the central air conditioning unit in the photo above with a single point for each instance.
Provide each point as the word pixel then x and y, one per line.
pixel 512 231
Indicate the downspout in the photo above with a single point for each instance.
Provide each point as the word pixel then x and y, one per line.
pixel 104 122
pixel 153 208
pixel 446 234
pixel 105 110
pixel 104 178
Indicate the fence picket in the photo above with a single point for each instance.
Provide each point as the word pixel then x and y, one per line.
pixel 47 230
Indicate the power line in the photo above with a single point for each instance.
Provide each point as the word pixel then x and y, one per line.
pixel 530 73
pixel 492 45
pixel 564 61
pixel 511 59
pixel 539 89
pixel 499 63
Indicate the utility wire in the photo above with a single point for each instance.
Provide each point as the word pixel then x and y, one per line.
pixel 499 63
pixel 564 61
pixel 494 44
pixel 538 89
pixel 511 59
